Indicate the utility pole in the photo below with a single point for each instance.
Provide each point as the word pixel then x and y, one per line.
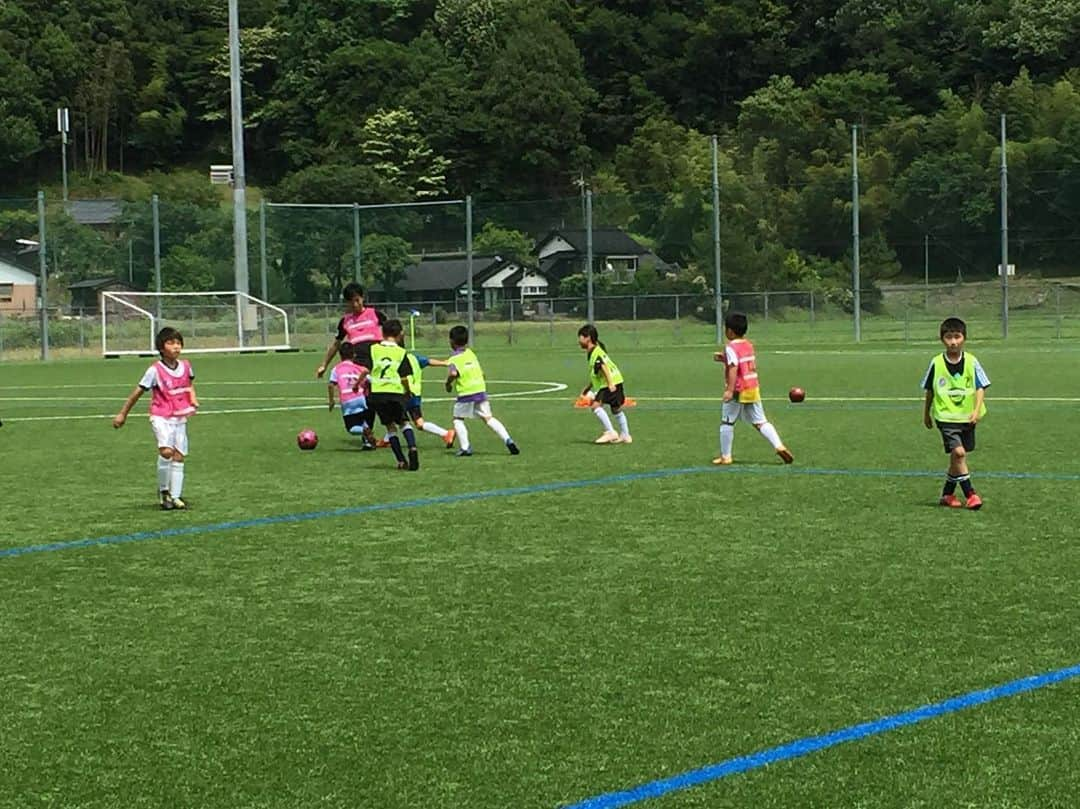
pixel 240 254
pixel 855 281
pixel 63 125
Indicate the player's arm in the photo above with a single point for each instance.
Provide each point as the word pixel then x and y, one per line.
pixel 438 363
pixel 450 377
pixel 194 396
pixel 731 373
pixel 928 399
pixel 360 377
pixel 330 396
pixel 129 403
pixel 607 377
pixel 331 350
pixel 980 397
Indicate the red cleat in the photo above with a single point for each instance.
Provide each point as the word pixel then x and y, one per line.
pixel 950 500
pixel 974 502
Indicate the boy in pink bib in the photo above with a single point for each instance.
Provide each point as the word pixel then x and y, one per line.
pixel 172 385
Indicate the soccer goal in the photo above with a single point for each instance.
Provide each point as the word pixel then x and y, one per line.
pixel 211 322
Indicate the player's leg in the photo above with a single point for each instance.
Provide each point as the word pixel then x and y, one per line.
pixel 617 411
pixel 462 411
pixel 609 436
pixel 176 471
pixel 416 414
pixel 483 409
pixel 163 435
pixel 729 414
pixel 755 414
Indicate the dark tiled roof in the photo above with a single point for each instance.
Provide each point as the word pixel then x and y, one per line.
pixel 443 273
pixel 98 283
pixel 606 242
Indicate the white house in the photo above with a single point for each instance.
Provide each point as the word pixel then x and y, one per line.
pixel 18 290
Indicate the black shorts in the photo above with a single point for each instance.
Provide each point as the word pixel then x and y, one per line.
pixel 389 407
pixel 362 354
pixel 614 400
pixel 357 420
pixel 957 435
pixel 412 408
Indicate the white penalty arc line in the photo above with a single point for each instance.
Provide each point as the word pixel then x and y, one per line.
pixel 550 387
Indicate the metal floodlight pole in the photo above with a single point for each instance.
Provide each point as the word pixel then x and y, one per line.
pixel 356 241
pixel 716 240
pixel 1004 234
pixel 240 257
pixel 43 269
pixel 63 124
pixel 590 307
pixel 855 281
pixel 469 262
pixel 154 208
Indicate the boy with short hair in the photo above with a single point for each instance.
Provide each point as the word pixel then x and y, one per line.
pixel 466 381
pixel 390 371
pixel 742 393
pixel 348 378
pixel 955 386
pixel 414 403
pixel 361 326
pixel 172 382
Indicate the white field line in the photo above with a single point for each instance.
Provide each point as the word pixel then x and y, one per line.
pixel 550 387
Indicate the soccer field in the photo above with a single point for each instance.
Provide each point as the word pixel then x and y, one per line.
pixel 322 630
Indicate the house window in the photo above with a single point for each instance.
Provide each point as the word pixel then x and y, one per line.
pixel 7 293
pixel 533 291
pixel 620 268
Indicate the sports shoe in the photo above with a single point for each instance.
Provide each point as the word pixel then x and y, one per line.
pixel 723 460
pixel 167 503
pixel 414 460
pixel 510 445
pixel 950 500
pixel 609 437
pixel 463 453
pixel 785 454
pixel 382 443
pixel 448 439
pixel 626 438
pixel 403 465
pixel 974 502
pixel 179 504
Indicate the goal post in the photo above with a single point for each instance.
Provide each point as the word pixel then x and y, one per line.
pixel 211 322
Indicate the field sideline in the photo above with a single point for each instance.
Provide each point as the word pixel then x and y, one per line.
pixel 541 630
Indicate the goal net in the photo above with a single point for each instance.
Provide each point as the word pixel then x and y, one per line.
pixel 210 322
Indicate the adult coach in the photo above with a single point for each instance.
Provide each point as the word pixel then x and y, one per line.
pixel 361 326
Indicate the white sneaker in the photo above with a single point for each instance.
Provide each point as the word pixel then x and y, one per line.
pixel 626 438
pixel 609 437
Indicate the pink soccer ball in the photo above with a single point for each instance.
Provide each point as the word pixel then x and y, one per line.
pixel 307 439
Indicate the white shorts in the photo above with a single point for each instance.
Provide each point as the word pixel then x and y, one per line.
pixel 171 433
pixel 472 410
pixel 752 412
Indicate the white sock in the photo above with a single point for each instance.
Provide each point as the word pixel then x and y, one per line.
pixel 771 435
pixel 176 479
pixel 462 434
pixel 604 420
pixel 727 438
pixel 434 429
pixel 624 427
pixel 497 426
pixel 164 466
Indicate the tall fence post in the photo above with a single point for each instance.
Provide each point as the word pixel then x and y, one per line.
pixel 855 280
pixel 811 307
pixel 356 241
pixel 43 269
pixel 590 307
pixel 1004 234
pixel 716 241
pixel 678 325
pixel 510 334
pixel 264 281
pixel 154 208
pixel 469 264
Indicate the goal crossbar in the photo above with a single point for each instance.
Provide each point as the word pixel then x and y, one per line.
pixel 246 306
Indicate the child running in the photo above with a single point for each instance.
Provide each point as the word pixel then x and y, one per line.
pixel 390 371
pixel 605 388
pixel 173 385
pixel 348 379
pixel 466 381
pixel 742 395
pixel 955 385
pixel 414 404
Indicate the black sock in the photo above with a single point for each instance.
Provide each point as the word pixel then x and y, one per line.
pixel 949 487
pixel 410 436
pixel 395 445
pixel 965 485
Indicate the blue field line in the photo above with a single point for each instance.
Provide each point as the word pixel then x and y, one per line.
pixel 812 744
pixel 536 488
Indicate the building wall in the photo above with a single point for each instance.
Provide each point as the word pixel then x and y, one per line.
pixel 23 299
